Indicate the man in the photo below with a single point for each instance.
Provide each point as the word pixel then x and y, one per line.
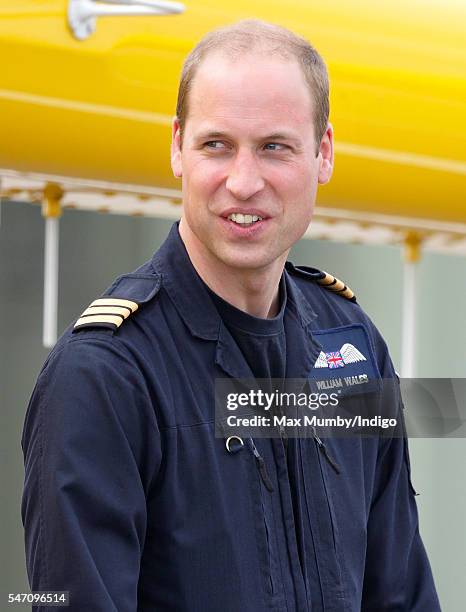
pixel 130 501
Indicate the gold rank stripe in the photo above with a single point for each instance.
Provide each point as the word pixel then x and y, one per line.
pixel 334 284
pixel 115 319
pixel 106 310
pixel 115 302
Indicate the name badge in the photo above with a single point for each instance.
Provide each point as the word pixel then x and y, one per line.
pixel 346 361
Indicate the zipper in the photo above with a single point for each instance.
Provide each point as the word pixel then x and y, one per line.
pixel 269 486
pixel 325 452
pixel 260 465
pixel 283 436
pixel 340 593
pixel 267 537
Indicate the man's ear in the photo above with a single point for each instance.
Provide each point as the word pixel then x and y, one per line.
pixel 176 148
pixel 326 155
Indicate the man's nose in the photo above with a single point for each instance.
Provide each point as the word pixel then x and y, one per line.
pixel 244 176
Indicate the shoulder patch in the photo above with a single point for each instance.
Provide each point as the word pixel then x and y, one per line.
pixel 121 300
pixel 334 284
pixel 328 281
pixel 110 312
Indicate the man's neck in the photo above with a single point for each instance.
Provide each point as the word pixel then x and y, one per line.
pixel 255 291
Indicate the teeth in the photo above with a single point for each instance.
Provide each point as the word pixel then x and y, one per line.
pixel 244 219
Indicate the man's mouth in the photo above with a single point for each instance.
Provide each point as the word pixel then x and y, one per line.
pixel 244 220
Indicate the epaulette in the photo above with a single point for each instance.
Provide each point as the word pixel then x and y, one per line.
pixel 322 278
pixel 121 300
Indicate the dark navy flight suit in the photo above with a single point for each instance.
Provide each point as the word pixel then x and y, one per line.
pixel 131 502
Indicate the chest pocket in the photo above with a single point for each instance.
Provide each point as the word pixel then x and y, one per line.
pixel 262 489
pixel 347 367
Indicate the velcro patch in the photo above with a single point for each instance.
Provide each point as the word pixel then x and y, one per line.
pixel 346 360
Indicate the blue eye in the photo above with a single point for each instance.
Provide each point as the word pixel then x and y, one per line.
pixel 274 144
pixel 211 144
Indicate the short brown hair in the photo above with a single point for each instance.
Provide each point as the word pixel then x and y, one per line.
pixel 252 35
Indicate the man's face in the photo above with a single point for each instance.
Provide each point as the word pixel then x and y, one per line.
pixel 248 161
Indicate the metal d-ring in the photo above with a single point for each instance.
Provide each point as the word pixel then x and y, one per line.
pixel 233 449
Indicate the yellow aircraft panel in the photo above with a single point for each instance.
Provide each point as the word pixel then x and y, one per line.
pixel 101 108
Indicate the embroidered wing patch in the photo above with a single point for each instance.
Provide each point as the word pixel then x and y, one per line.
pixel 338 359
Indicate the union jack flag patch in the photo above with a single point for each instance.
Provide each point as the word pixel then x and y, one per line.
pixel 334 360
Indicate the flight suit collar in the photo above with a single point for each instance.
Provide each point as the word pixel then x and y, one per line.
pixel 185 287
pixel 192 301
pixel 302 348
